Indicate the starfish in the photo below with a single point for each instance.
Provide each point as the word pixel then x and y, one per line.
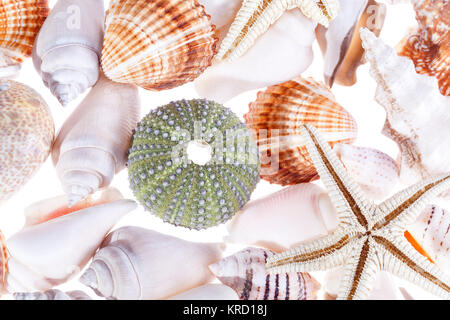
pixel 369 237
pixel 256 16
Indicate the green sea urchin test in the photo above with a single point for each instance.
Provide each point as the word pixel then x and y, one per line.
pixel 170 177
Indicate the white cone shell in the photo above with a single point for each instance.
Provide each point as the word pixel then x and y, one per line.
pixel 287 51
pixel 68 48
pixel 93 143
pixel 136 263
pixel 284 219
pixel 48 254
pixel 208 292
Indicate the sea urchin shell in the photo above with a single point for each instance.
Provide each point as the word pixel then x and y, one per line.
pixel 169 184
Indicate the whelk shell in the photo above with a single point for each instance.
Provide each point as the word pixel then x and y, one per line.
pixel 245 272
pixel 26 134
pixel 276 117
pixel 136 263
pixel 412 102
pixel 20 22
pixel 429 46
pixel 166 43
pixel 376 172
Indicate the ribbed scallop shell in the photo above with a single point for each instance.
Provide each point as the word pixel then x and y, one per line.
pixel 168 184
pixel 276 117
pixel 20 22
pixel 26 135
pixel 429 46
pixel 245 272
pixel 158 44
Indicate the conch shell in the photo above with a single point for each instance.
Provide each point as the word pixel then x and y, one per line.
pixel 210 291
pixel 429 46
pixel 276 118
pixel 52 294
pixel 417 117
pixel 287 51
pixel 432 231
pixel 67 50
pixel 285 218
pixel 341 43
pixel 42 256
pixel 136 263
pixel 166 43
pixel 92 144
pixel 245 272
pixel 376 172
pixel 20 22
pixel 26 134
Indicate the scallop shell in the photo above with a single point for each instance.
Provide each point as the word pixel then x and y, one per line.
pixel 164 45
pixel 432 231
pixel 375 172
pixel 20 22
pixel 429 46
pixel 276 118
pixel 26 135
pixel 245 272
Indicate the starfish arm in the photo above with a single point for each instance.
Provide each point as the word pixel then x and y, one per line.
pixel 360 271
pixel 320 254
pixel 398 257
pixel 404 207
pixel 352 208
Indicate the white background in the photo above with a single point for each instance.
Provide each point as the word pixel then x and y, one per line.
pixel 358 100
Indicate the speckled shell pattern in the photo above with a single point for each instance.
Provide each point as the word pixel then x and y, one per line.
pixel 20 22
pixel 245 273
pixel 4 255
pixel 167 183
pixel 158 44
pixel 276 118
pixel 26 134
pixel 429 46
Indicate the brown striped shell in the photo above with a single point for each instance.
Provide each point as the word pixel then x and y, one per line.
pixel 20 22
pixel 429 46
pixel 158 44
pixel 26 135
pixel 245 272
pixel 276 118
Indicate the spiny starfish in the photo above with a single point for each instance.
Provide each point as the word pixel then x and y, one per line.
pixel 256 16
pixel 369 237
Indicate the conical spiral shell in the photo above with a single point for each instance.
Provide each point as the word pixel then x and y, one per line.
pixel 245 272
pixel 276 118
pixel 157 44
pixel 26 135
pixel 20 22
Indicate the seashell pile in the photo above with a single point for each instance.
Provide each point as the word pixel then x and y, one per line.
pixel 276 117
pixel 344 217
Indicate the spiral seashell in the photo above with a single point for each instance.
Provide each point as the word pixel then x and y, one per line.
pixel 412 102
pixel 208 292
pixel 68 48
pixel 245 272
pixel 429 46
pixel 20 22
pixel 42 256
pixel 375 172
pixel 136 263
pixel 284 219
pixel 52 295
pixel 341 43
pixel 168 179
pixel 26 134
pixel 276 118
pixel 92 144
pixel 50 209
pixel 166 44
pixel 432 232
